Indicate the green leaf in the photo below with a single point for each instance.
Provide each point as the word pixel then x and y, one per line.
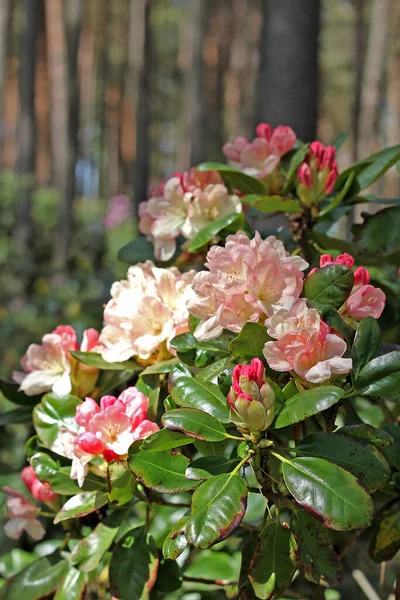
pixel 329 492
pixel 308 403
pixel 331 316
pixel 82 504
pixel 39 580
pixel 385 541
pixel 51 415
pixel 211 372
pixel 207 466
pixel 17 417
pixel 121 484
pixel 133 566
pixel 218 507
pixel 379 163
pixel 366 344
pixel 274 561
pixel 175 542
pixel 73 586
pixel 329 285
pixel 361 459
pixel 92 359
pixel 274 203
pixel 250 342
pixel 212 565
pixel 234 178
pixel 165 440
pixel 149 385
pixel 340 140
pixel 378 235
pixel 186 342
pixel 15 561
pixel 296 161
pixel 380 377
pixel 161 367
pixel 377 437
pixel 195 424
pixel 9 389
pixel 89 551
pixel 392 453
pixel 138 250
pixel 169 577
pixel 163 473
pixel 207 397
pixel 48 471
pixel 109 380
pixel 317 555
pixel 208 233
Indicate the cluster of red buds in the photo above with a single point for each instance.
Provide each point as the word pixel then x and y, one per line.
pixel 316 176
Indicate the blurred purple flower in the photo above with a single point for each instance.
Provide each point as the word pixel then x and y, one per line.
pixel 119 209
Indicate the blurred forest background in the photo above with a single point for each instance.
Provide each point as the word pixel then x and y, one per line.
pixel 99 100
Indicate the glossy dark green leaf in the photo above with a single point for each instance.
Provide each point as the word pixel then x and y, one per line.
pixel 48 471
pixel 218 507
pixel 169 577
pixel 236 179
pixel 330 285
pixel 149 385
pixel 331 316
pixel 50 415
pixel 380 377
pixel 186 342
pixel 379 163
pixel 82 504
pixel 385 541
pixel 121 483
pixel 392 452
pixel 250 342
pixel 133 566
pixel 366 343
pixel 360 458
pixel 208 233
pixel 15 561
pixel 107 381
pixel 175 542
pixel 138 250
pixel 17 417
pixel 308 403
pixel 213 566
pixel 329 492
pixel 39 580
pixel 92 359
pixel 89 551
pixel 274 561
pixel 320 562
pixel 195 424
pixel 205 396
pixel 377 437
pixel 378 235
pixel 165 440
pixel 165 474
pixel 9 389
pixel 73 586
pixel 211 372
pixel 296 161
pixel 274 203
pixel 161 367
pixel 207 466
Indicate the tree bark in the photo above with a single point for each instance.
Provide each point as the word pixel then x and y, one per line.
pixel 4 14
pixel 140 69
pixel 26 137
pixel 199 14
pixel 288 77
pixel 359 51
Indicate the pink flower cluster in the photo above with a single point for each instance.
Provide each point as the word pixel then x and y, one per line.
pixel 261 156
pixel 145 312
pixel 49 366
pixel 248 280
pixel 317 174
pixel 365 299
pixel 251 398
pixel 119 210
pixel 183 205
pixel 305 345
pixel 21 512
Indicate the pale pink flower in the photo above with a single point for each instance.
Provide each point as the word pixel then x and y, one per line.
pixel 48 367
pixel 247 281
pixel 259 158
pixel 111 428
pixel 145 312
pixel 22 517
pixel 366 301
pixel 282 137
pixel 40 491
pixel 233 150
pixel 290 320
pixel 315 356
pixel 207 205
pixel 66 446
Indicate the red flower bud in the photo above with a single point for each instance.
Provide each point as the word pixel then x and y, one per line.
pixel 345 259
pixel 361 276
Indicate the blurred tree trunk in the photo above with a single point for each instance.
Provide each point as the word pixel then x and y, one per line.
pixel 26 136
pixel 358 68
pixel 64 94
pixel 140 65
pixel 196 91
pixel 373 76
pixel 392 183
pixel 288 77
pixel 4 22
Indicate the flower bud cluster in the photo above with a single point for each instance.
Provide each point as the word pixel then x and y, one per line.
pixel 317 174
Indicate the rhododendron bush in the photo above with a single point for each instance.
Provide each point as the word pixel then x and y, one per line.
pixel 231 429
